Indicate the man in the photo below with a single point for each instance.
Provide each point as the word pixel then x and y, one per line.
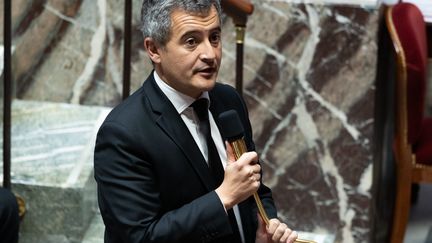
pixel 154 161
pixel 9 217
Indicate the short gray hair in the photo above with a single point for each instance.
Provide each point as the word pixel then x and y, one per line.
pixel 156 15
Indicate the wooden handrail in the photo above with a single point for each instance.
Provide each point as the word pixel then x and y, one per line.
pixel 402 111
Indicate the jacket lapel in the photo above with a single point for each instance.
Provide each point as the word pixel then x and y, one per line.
pixel 216 108
pixel 170 122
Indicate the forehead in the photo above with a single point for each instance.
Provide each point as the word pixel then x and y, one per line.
pixel 183 21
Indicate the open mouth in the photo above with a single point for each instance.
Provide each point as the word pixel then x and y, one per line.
pixel 208 70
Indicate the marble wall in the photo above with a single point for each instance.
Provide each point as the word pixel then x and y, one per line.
pixel 310 90
pixel 309 85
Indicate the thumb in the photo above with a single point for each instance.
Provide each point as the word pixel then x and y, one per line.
pixel 261 233
pixel 230 153
pixel 261 224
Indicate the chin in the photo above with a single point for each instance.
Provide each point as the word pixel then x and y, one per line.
pixel 206 83
pixel 209 85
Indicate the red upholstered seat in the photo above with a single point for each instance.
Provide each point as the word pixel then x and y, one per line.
pixel 413 138
pixel 411 30
pixel 423 148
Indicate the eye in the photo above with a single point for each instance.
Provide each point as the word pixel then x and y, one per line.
pixel 191 42
pixel 215 38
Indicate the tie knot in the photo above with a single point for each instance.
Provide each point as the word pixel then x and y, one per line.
pixel 200 107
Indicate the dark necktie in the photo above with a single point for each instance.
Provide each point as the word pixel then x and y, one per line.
pixel 200 107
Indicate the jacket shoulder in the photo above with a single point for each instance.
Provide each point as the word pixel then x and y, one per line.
pixel 133 107
pixel 224 89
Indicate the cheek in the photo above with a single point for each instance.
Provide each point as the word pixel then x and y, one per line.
pixel 187 62
pixel 176 62
pixel 218 54
pixel 181 65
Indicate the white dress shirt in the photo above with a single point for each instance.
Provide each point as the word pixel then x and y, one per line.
pixel 182 104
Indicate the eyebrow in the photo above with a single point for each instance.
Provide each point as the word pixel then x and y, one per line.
pixel 191 32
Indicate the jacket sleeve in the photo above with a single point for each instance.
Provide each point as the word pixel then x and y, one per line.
pixel 129 198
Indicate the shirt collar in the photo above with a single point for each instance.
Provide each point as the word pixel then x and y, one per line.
pixel 180 101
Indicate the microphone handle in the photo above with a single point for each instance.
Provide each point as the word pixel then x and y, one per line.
pixel 239 148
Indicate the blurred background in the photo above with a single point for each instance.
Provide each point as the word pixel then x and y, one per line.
pixel 315 82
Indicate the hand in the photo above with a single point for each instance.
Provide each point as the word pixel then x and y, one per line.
pixel 241 179
pixel 275 232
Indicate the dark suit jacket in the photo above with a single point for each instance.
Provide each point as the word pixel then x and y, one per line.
pixel 153 182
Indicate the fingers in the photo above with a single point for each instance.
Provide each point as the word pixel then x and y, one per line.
pixel 254 169
pixel 251 170
pixel 286 234
pixel 254 177
pixel 230 153
pixel 241 179
pixel 247 165
pixel 272 227
pixel 280 232
pixel 292 237
pixel 248 158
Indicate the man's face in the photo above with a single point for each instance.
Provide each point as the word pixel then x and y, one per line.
pixel 190 60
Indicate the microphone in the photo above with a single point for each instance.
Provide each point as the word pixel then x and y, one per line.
pixel 232 130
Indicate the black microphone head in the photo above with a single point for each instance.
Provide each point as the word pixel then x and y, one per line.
pixel 230 125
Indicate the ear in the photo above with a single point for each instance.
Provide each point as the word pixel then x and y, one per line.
pixel 152 50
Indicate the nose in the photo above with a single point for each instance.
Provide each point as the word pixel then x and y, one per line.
pixel 208 52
